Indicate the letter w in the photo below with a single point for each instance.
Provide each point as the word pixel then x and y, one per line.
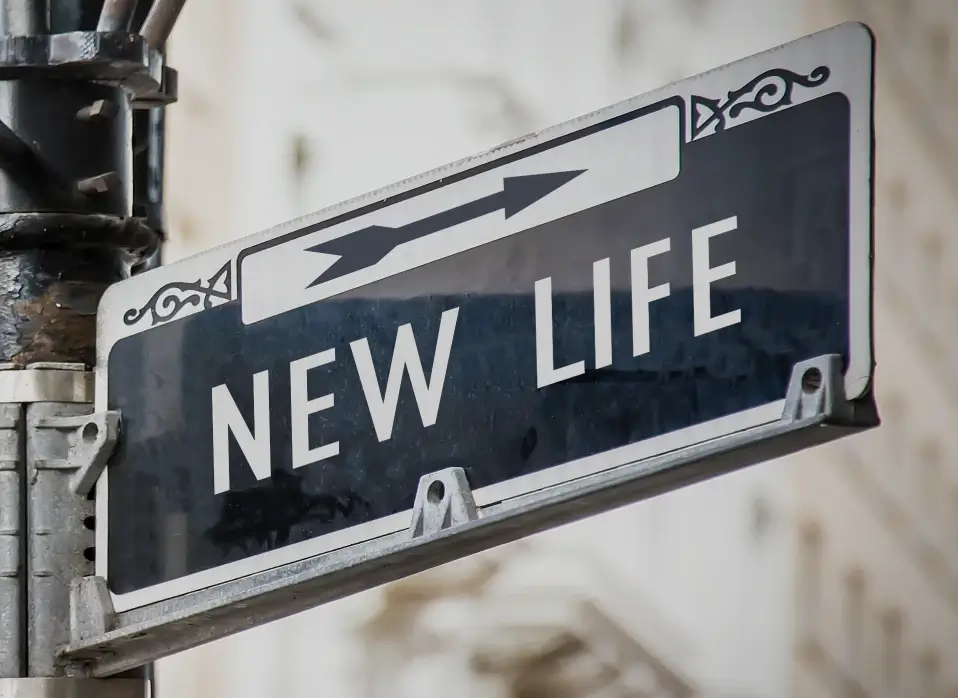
pixel 382 407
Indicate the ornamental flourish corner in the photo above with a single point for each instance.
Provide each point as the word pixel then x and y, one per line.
pixel 765 93
pixel 170 299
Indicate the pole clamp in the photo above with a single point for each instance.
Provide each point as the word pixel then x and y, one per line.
pixel 91 438
pixel 45 381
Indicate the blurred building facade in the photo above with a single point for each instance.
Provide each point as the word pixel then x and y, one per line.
pixel 877 516
pixel 832 573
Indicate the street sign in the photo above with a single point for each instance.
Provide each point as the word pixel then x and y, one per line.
pixel 577 319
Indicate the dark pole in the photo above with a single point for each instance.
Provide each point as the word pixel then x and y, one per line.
pixel 68 228
pixel 149 149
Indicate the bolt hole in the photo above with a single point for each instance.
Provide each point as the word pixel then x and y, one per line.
pixel 90 522
pixel 811 381
pixel 436 491
pixel 89 432
pixel 90 554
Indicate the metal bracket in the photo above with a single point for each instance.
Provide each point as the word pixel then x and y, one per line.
pixel 443 500
pixel 816 388
pixel 91 608
pixel 45 382
pixel 115 58
pixel 91 444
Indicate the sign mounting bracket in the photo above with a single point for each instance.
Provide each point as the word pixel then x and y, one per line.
pixel 91 608
pixel 92 439
pixel 817 387
pixel 443 500
pixel 815 411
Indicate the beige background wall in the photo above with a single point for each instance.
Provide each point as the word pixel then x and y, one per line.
pixel 833 573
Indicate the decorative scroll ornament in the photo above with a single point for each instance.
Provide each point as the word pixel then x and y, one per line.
pixel 769 91
pixel 170 299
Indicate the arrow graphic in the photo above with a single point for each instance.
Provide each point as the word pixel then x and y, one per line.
pixel 488 202
pixel 368 246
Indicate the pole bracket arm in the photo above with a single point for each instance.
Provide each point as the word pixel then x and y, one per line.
pixel 91 608
pixel 443 500
pixel 91 438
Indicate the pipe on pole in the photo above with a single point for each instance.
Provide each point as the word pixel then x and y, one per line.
pixel 22 18
pixel 160 21
pixel 116 15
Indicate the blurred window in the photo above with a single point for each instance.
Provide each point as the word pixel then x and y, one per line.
pixel 892 654
pixel 855 623
pixel 928 675
pixel 810 581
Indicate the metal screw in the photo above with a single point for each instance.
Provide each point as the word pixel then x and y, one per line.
pixel 99 184
pixel 100 110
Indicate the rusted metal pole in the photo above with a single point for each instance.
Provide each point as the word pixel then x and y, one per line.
pixel 80 208
pixel 67 225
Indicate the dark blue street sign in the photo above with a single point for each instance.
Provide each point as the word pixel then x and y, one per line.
pixel 620 287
